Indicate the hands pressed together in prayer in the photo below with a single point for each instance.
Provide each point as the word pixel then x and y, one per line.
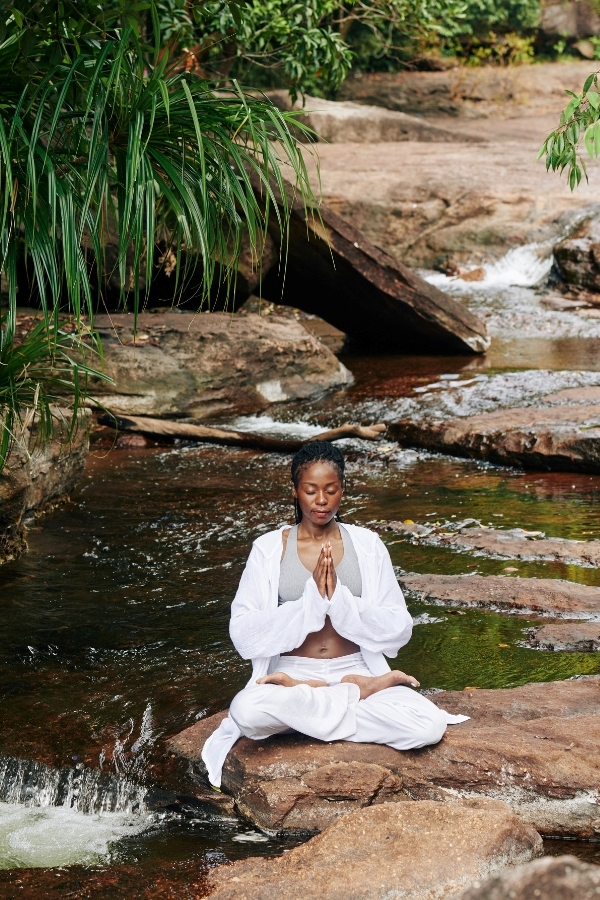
pixel 326 580
pixel 324 573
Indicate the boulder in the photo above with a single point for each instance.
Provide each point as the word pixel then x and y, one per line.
pixel 421 851
pixel 542 596
pixel 550 878
pixel 349 122
pixel 575 637
pixel 578 257
pixel 514 543
pixel 555 435
pixel 533 746
pixel 333 271
pixel 573 19
pixel 197 364
pixel 33 482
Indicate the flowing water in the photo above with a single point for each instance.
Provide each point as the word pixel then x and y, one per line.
pixel 115 622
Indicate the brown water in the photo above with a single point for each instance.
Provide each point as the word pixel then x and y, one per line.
pixel 115 623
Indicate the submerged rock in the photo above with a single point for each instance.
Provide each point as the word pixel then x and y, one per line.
pixel 533 746
pixel 543 596
pixel 421 851
pixel 514 543
pixel 197 365
pixel 33 481
pixel 550 878
pixel 576 637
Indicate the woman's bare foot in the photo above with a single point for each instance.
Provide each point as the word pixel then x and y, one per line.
pixel 284 680
pixel 370 686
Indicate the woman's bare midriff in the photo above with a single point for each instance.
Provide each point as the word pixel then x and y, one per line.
pixel 324 644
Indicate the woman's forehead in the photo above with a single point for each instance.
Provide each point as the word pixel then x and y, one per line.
pixel 319 470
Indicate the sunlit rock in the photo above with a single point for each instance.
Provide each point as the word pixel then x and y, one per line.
pixel 197 365
pixel 534 747
pixel 421 851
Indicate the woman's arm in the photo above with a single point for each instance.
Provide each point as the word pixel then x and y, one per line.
pixel 382 626
pixel 257 631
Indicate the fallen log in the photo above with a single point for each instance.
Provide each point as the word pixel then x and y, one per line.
pixel 332 270
pixel 166 428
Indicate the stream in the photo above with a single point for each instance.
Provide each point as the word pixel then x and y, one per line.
pixel 115 622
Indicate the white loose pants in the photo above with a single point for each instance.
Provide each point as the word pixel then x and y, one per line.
pixel 397 716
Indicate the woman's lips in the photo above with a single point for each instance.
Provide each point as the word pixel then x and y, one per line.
pixel 321 512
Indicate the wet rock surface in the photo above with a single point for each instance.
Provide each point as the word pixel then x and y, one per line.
pixel 531 746
pixel 198 365
pixel 561 434
pixel 543 596
pixel 579 637
pixel 35 481
pixel 550 878
pixel 514 543
pixel 578 257
pixel 418 850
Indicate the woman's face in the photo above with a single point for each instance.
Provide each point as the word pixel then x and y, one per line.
pixel 319 492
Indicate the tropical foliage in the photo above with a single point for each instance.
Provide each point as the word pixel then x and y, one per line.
pixel 38 367
pixel 102 139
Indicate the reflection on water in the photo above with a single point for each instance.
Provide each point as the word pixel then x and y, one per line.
pixel 115 624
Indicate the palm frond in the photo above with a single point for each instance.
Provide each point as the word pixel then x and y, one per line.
pixel 108 148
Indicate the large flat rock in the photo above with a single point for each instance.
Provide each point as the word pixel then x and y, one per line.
pixel 542 596
pixel 198 364
pixel 550 878
pixel 556 436
pixel 534 747
pixel 514 543
pixel 334 271
pixel 421 851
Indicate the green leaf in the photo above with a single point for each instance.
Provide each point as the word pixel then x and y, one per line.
pixel 594 99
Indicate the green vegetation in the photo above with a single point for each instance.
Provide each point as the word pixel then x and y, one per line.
pixel 579 121
pixel 104 136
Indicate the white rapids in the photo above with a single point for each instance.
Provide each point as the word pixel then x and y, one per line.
pixel 59 836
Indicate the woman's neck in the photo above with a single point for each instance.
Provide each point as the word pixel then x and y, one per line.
pixel 310 531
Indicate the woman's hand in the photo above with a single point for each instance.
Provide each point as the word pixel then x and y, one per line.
pixel 331 573
pixel 320 573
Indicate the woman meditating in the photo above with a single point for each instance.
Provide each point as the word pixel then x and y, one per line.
pixel 317 608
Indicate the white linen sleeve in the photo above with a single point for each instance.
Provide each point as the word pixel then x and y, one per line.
pixel 383 626
pixel 258 631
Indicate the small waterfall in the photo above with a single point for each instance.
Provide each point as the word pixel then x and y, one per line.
pixel 85 790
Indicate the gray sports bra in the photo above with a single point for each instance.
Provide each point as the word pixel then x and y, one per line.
pixel 294 575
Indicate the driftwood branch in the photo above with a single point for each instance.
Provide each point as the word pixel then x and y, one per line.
pixel 165 428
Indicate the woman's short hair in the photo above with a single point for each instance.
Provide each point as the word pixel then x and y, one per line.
pixel 313 452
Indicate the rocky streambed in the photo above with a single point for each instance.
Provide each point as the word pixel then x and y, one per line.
pixel 499 567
